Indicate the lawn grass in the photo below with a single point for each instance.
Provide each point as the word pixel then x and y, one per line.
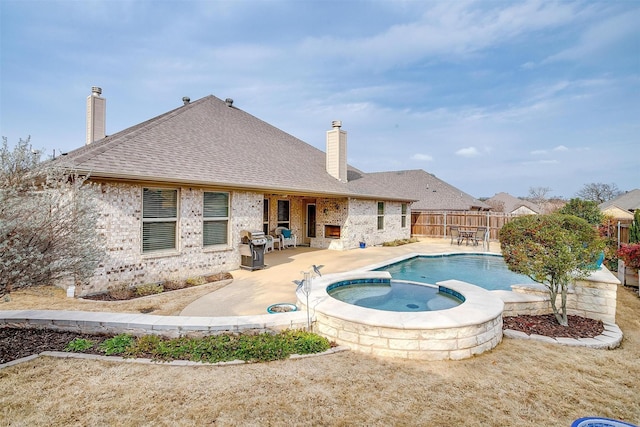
pixel 519 383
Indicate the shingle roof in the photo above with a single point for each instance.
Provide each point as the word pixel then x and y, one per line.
pixel 432 193
pixel 629 201
pixel 209 143
pixel 512 203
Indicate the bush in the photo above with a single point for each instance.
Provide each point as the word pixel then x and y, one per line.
pixel 148 289
pixel 117 345
pixel 630 254
pixel 195 281
pixel 120 292
pixel 48 220
pixel 260 347
pixel 79 345
pixel 174 285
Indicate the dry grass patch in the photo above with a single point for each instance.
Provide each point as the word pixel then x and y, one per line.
pixel 54 298
pixel 519 383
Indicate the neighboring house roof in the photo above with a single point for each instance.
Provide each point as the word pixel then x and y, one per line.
pixel 513 204
pixel 432 193
pixel 617 212
pixel 629 201
pixel 207 142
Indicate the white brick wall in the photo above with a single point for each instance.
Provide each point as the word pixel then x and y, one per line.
pixel 121 226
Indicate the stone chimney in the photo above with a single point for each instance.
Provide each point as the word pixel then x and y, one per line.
pixel 96 115
pixel 337 152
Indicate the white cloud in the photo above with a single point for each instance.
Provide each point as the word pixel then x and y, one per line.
pixel 468 152
pixel 561 148
pixel 422 157
pixel 538 152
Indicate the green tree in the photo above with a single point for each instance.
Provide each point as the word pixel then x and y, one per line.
pixel 585 209
pixel 634 229
pixel 553 250
pixel 48 219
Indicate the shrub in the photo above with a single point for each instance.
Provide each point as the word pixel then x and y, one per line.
pixel 195 281
pixel 120 344
pixel 634 229
pixel 148 289
pixel 79 345
pixel 585 209
pixel 174 285
pixel 48 220
pixel 121 291
pixel 630 254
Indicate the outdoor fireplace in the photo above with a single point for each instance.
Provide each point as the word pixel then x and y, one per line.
pixel 332 231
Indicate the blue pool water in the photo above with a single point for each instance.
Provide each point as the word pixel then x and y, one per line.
pixel 395 296
pixel 487 271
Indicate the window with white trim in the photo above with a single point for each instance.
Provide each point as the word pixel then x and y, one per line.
pixel 403 217
pixel 283 214
pixel 159 219
pixel 380 215
pixel 215 219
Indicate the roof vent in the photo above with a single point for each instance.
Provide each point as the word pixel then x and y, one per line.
pixel 186 100
pixel 229 102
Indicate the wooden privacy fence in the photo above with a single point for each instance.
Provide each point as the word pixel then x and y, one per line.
pixel 439 223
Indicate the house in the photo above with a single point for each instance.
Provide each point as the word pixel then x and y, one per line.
pixel 432 194
pixel 176 191
pixel 505 202
pixel 623 206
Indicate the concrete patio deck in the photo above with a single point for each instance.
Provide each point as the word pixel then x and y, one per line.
pixel 251 292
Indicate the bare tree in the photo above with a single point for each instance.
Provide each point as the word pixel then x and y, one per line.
pixel 598 192
pixel 48 222
pixel 539 195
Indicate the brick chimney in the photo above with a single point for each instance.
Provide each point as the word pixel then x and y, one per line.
pixel 337 152
pixel 96 115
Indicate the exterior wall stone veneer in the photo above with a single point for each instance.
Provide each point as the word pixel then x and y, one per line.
pixel 358 220
pixel 120 225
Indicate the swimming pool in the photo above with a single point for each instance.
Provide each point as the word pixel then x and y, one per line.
pixel 395 295
pixel 487 271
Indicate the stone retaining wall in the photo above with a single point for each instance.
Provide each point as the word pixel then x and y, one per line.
pixel 593 298
pixel 147 324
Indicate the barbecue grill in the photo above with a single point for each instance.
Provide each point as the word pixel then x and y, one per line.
pixel 252 244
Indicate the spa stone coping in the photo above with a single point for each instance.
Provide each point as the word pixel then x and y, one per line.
pixel 480 306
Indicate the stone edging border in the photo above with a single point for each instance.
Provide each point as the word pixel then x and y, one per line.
pixel 145 361
pixel 610 338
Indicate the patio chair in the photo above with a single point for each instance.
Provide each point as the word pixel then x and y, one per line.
pixel 480 236
pixel 455 234
pixel 287 238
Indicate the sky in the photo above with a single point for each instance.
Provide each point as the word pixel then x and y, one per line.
pixel 489 96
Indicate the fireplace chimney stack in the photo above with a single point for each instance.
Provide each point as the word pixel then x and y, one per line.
pixel 96 115
pixel 337 152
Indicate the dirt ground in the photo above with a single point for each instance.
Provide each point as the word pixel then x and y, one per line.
pixel 519 383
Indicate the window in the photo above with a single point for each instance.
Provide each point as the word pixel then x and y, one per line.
pixel 380 215
pixel 159 219
pixel 215 219
pixel 283 213
pixel 265 216
pixel 403 218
